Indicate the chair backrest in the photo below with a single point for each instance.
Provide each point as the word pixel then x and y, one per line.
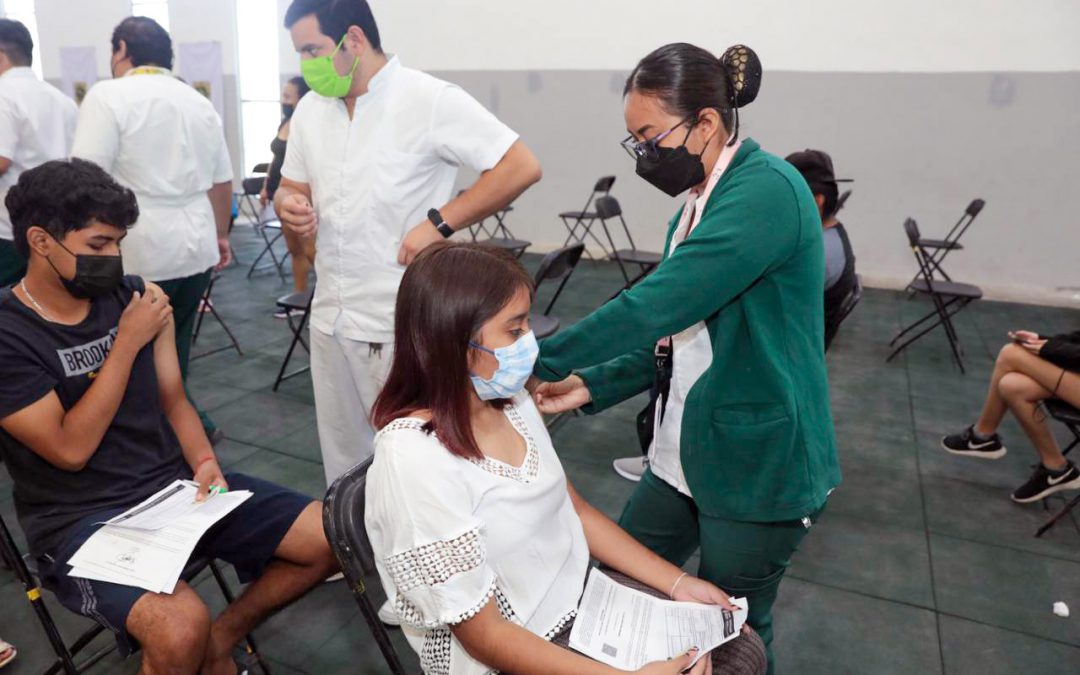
pixel 603 184
pixel 841 200
pixel 974 207
pixel 608 207
pixel 852 299
pixel 343 520
pixel 911 228
pixel 558 263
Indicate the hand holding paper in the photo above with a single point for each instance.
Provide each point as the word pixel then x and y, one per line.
pixel 628 629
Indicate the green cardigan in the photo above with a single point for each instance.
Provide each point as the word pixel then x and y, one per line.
pixel 757 431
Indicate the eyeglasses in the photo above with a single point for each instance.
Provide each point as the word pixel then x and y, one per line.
pixel 647 148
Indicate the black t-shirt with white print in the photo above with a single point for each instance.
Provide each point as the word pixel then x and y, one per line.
pixel 139 453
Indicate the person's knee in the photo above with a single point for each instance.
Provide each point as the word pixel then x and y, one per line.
pixel 1017 387
pixel 1009 354
pixel 174 633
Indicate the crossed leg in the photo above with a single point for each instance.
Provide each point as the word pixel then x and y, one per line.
pixel 1020 381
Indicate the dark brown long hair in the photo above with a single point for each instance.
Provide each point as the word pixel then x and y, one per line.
pixel 448 293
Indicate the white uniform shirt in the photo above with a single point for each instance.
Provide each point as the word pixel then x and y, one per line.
pixel 37 124
pixel 164 140
pixel 692 350
pixel 375 177
pixel 450 533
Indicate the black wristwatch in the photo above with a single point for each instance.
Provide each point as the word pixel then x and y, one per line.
pixel 437 220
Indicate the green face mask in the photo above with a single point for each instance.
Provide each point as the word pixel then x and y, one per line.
pixel 323 78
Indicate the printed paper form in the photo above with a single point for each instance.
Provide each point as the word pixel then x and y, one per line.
pixel 151 558
pixel 626 629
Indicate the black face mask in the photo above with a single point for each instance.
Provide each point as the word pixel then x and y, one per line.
pixel 287 110
pixel 95 275
pixel 674 170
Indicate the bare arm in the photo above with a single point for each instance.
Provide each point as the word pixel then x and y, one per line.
pixel 220 195
pixel 68 440
pixel 612 546
pixel 5 164
pixel 198 453
pixel 509 648
pixel 494 190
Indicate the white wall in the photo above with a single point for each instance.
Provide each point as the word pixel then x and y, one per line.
pixel 824 35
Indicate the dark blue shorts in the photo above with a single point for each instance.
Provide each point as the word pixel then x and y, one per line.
pixel 246 538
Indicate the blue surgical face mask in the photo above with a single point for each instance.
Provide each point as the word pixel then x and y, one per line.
pixel 516 363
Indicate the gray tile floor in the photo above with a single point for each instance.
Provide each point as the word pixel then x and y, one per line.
pixel 921 564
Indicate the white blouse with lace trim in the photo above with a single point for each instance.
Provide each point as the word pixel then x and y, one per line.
pixel 449 534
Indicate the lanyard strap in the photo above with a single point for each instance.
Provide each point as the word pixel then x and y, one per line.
pixel 148 70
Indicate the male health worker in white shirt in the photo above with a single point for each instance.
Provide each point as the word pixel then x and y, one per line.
pixel 37 123
pixel 164 140
pixel 372 150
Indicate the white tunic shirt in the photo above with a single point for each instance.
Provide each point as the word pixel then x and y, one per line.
pixel 451 533
pixel 164 140
pixel 691 349
pixel 37 123
pixel 374 177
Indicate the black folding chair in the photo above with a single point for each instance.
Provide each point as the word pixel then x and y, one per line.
pixel 268 228
pixel 939 248
pixel 343 520
pixel 291 303
pixel 949 297
pixel 210 309
pixel 499 235
pixel 556 266
pixel 1070 417
pixel 66 654
pixel 607 208
pixel 248 197
pixel 583 219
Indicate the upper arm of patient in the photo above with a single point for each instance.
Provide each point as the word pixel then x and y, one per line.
pixel 38 426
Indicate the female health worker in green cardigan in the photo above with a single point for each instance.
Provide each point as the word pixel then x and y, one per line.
pixel 743 456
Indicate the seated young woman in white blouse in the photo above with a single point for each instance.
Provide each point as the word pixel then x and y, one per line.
pixel 481 542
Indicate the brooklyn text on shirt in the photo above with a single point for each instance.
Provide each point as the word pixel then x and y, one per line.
pixel 87 357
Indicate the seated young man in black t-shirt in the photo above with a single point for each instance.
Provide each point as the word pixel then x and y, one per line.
pixel 93 419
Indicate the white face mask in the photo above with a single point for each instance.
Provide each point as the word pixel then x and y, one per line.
pixel 516 363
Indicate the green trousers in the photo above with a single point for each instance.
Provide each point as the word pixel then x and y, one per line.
pixel 184 294
pixel 12 265
pixel 745 559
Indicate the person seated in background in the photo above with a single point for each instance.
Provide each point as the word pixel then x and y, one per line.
pixel 481 542
pixel 302 249
pixel 1029 370
pixel 817 169
pixel 93 420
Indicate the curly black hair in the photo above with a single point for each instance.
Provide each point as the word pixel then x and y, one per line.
pixel 65 195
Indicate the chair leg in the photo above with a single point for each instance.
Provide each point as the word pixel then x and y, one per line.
pixel 225 327
pixel 382 637
pixel 1058 516
pixel 33 594
pixel 297 337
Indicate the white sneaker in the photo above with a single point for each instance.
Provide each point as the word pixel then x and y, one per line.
pixel 631 468
pixel 334 577
pixel 388 616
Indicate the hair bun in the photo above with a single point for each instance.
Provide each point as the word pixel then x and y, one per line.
pixel 744 70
